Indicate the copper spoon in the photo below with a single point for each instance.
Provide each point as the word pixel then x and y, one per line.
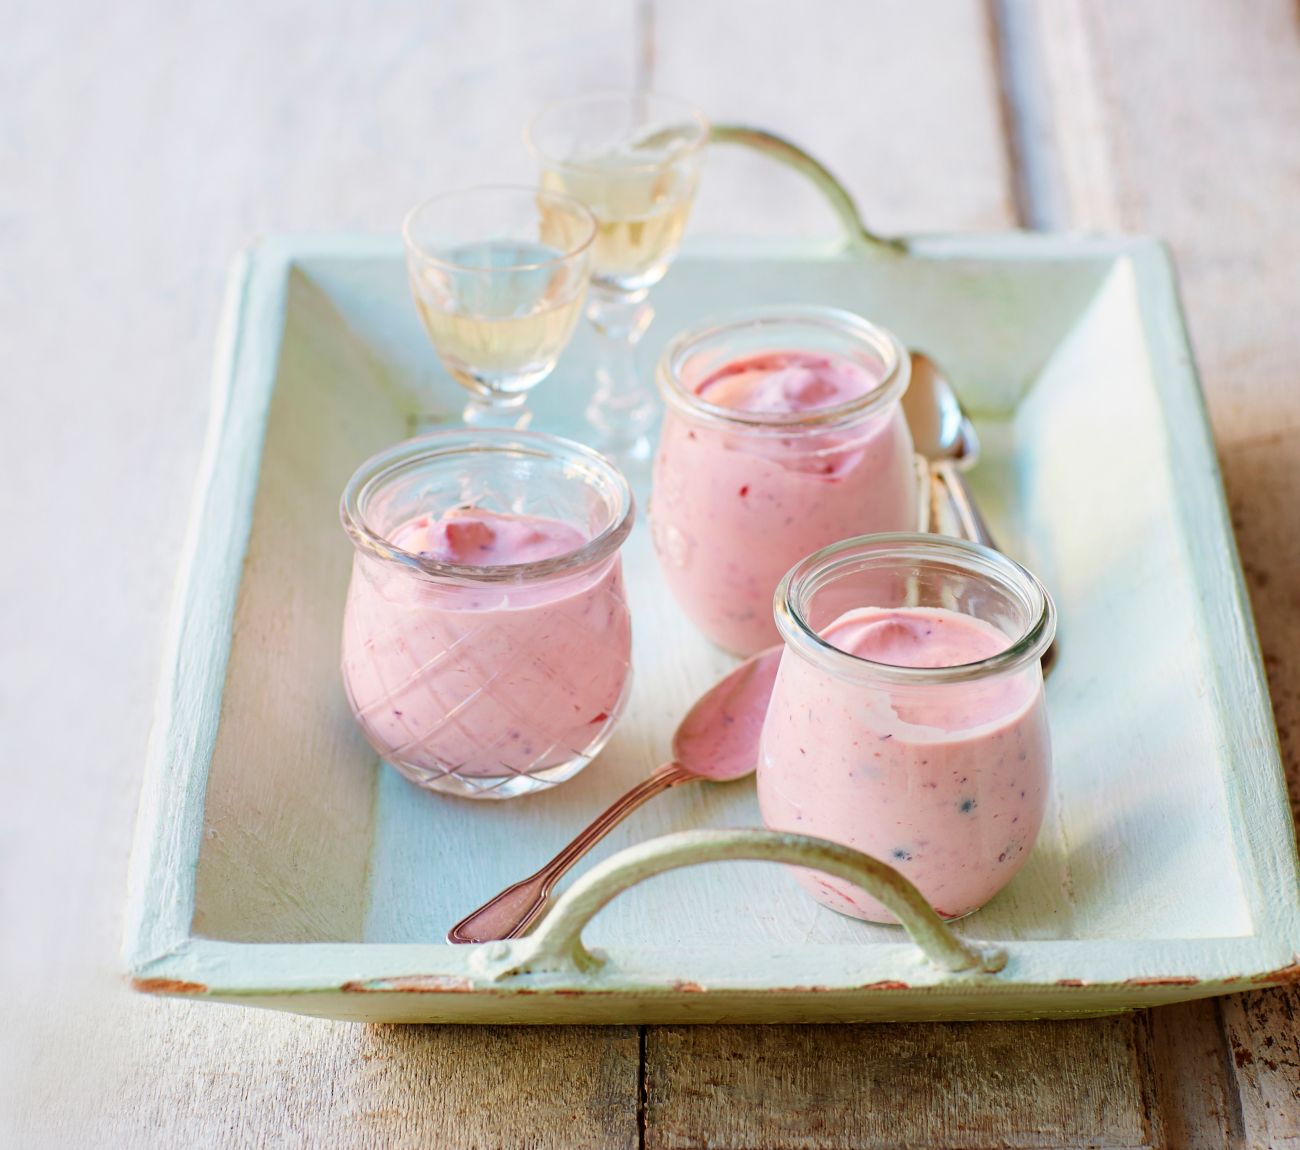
pixel 717 741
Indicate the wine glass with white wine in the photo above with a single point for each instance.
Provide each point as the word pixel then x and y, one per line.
pixel 499 275
pixel 634 158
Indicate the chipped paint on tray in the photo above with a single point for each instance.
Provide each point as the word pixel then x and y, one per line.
pixel 167 986
pixel 413 984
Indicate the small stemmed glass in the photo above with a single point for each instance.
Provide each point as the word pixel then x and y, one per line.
pixel 499 275
pixel 634 159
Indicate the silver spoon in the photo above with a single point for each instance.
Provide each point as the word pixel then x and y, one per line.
pixel 943 433
pixel 717 741
pixel 945 436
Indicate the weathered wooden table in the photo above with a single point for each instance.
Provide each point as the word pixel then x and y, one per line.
pixel 141 144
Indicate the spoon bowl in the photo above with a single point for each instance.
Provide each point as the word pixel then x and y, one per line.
pixel 940 428
pixel 943 433
pixel 718 739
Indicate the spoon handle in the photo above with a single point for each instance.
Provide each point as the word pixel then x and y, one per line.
pixel 972 526
pixel 968 514
pixel 510 913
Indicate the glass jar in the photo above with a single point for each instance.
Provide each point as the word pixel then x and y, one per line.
pixel 740 496
pixel 939 770
pixel 487 681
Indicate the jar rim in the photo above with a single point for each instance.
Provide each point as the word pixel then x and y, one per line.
pixel 411 454
pixel 973 558
pixel 890 389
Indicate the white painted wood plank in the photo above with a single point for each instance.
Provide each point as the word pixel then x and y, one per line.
pixel 1190 136
pixel 900 101
pixel 164 1074
pixel 142 146
pixel 1058 114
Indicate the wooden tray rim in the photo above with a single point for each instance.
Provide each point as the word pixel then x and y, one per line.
pixel 162 956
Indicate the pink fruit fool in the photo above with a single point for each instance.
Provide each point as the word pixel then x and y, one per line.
pixel 945 782
pixel 735 506
pixel 486 678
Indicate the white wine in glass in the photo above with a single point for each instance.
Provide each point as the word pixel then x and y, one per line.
pixel 499 276
pixel 498 330
pixel 640 217
pixel 634 159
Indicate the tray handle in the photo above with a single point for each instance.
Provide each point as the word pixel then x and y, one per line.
pixel 556 945
pixel 837 195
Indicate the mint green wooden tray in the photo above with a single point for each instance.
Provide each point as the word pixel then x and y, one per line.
pixel 278 865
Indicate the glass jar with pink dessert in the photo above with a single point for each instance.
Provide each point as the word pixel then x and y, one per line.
pixel 486 638
pixel 908 718
pixel 783 433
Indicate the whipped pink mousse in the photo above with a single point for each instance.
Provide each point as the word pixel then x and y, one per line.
pixel 488 679
pixel 945 782
pixel 736 504
pixel 786 381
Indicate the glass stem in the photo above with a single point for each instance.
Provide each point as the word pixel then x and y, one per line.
pixel 623 408
pixel 484 411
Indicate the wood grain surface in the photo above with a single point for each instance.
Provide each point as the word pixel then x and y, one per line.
pixel 1263 1032
pixel 959 1085
pixel 142 144
pixel 1197 1101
